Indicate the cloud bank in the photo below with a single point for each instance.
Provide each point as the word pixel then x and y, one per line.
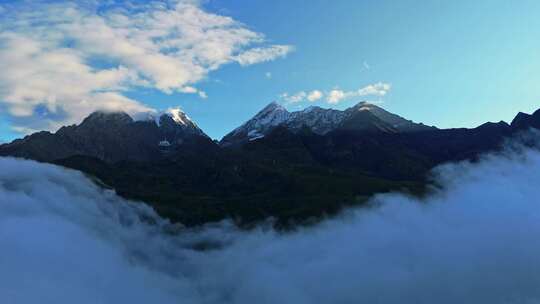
pixel 475 240
pixel 61 60
pixel 336 96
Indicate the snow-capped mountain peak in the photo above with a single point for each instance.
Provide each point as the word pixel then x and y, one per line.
pixel 365 106
pixel 271 107
pixel 270 116
pixel 172 120
pixel 273 114
pixel 178 116
pixel 320 121
pixel 175 115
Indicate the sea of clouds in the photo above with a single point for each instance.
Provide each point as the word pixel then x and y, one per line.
pixel 474 239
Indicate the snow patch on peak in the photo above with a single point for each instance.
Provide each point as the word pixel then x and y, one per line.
pixel 364 106
pixel 254 135
pixel 178 116
pixel 270 108
pixel 319 120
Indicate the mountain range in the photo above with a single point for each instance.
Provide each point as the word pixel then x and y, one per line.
pixel 292 166
pixel 111 137
pixel 363 116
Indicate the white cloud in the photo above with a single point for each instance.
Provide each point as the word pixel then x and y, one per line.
pixel 473 240
pixel 314 95
pixel 59 80
pixel 203 95
pixel 378 89
pixel 257 55
pixel 295 98
pixel 335 96
pixel 65 56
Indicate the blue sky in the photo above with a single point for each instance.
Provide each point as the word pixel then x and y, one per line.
pixel 450 64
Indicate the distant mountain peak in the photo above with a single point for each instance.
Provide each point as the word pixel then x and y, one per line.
pixel 520 119
pixel 320 121
pixel 365 106
pixel 272 105
pixel 114 136
pixel 394 121
pixel 178 116
pixel 270 116
pixel 175 122
pixel 107 118
pixel 171 116
pixel 271 108
pixel 525 121
pixel 100 114
pixel 312 108
pixel 175 116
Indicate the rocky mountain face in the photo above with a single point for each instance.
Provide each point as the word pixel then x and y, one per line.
pixel 293 166
pixel 112 137
pixel 363 117
pixel 525 121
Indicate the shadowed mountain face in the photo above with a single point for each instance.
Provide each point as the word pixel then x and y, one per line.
pixel 525 121
pixel 293 166
pixel 112 137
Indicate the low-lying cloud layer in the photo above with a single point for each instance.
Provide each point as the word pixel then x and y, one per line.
pixel 64 240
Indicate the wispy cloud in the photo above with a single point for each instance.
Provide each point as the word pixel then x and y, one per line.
pixel 75 58
pixel 258 55
pixel 336 96
pixel 366 65
pixel 294 98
